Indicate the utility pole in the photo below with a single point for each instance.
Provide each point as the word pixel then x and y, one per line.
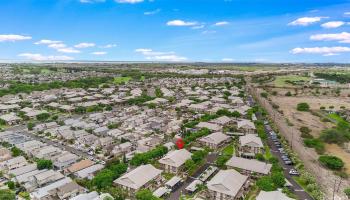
pixel 335 183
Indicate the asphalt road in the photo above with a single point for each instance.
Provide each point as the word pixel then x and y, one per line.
pixel 175 195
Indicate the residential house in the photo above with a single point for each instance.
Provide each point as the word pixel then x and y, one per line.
pixel 222 121
pixel 79 166
pixel 246 126
pixel 249 166
pixel 43 192
pixel 66 191
pixel 10 118
pixel 65 160
pixel 175 160
pixel 89 171
pixel 142 177
pixel 249 145
pixel 13 163
pixel 227 185
pixel 215 140
pixel 210 126
pixel 272 195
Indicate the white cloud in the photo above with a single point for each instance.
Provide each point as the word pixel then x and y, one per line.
pixel 343 37
pixel 99 53
pixel 57 45
pixel 178 22
pixel 333 24
pixel 13 38
pixel 153 12
pixel 223 23
pixel 129 1
pixel 39 57
pixel 325 51
pixel 84 45
pixel 305 21
pixel 227 59
pixel 198 27
pixel 48 42
pixel 160 56
pixel 92 1
pixel 107 46
pixel 68 50
pixel 347 13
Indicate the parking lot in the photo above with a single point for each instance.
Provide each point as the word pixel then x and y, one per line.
pixel 278 151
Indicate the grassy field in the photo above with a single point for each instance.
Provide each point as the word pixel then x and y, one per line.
pixel 120 80
pixel 280 81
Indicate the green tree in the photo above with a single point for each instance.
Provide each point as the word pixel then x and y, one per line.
pixel 11 185
pixel 278 179
pixel 7 195
pixel 16 151
pixel 44 164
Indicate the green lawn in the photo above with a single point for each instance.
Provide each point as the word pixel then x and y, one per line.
pixel 280 81
pixel 119 80
pixel 229 150
pixel 267 154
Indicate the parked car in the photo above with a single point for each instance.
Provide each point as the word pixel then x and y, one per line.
pixel 288 162
pixel 293 172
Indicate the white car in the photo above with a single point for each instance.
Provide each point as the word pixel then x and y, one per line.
pixel 294 172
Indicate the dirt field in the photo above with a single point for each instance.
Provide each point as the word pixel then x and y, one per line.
pixel 324 177
pixel 298 119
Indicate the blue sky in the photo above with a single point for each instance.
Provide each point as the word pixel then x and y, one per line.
pixel 176 30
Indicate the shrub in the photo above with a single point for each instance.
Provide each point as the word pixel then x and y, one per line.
pixel 331 162
pixel 288 94
pixel 264 94
pixel 316 144
pixel 347 192
pixel 303 107
pixel 260 157
pixel 30 125
pixel 305 132
pixel 334 136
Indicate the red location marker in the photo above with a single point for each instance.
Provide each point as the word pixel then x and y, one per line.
pixel 180 143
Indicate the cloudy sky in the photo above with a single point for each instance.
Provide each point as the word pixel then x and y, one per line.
pixel 176 30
